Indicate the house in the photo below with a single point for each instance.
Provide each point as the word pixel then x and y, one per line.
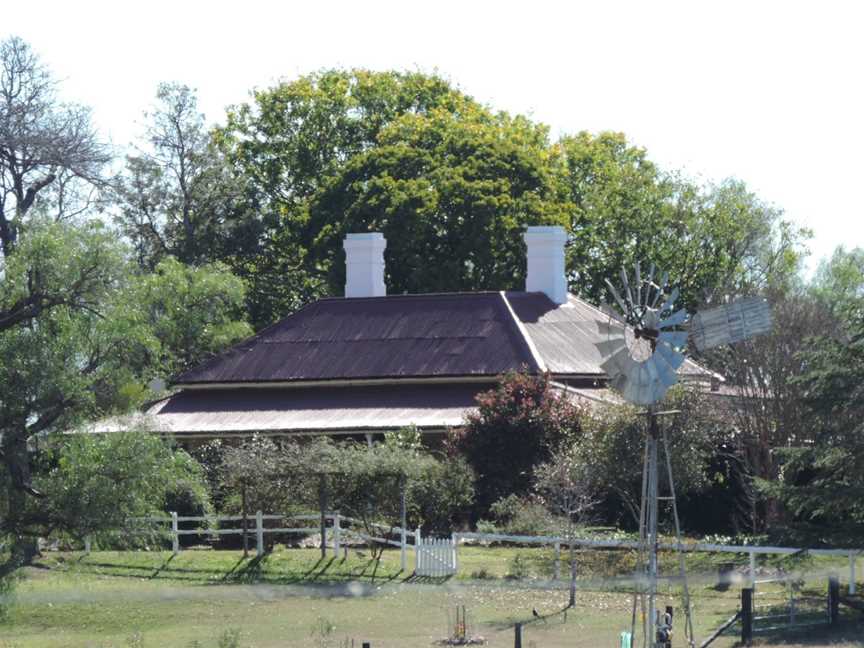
pixel 369 362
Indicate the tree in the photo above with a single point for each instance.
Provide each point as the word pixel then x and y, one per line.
pixel 94 483
pixel 452 194
pixel 405 152
pixel 567 486
pixel 714 241
pixel 193 312
pixel 83 348
pixel 178 197
pixel 818 481
pixel 50 158
pixel 613 444
pixel 517 426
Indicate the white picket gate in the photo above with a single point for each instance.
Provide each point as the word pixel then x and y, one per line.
pixel 435 556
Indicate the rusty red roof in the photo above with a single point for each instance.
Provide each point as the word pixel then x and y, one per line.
pixel 454 335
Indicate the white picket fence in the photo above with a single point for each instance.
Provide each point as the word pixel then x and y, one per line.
pixel 435 557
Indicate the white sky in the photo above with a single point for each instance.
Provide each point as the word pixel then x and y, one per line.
pixel 768 92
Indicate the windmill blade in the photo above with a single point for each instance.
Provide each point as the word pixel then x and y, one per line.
pixel 665 372
pixel 610 329
pixel 660 288
pixel 616 296
pixel 670 356
pixel 626 283
pixel 640 388
pixel 635 387
pixel 731 323
pixel 676 319
pixel 675 339
pixel 616 363
pixel 667 305
pixel 650 370
pixel 649 285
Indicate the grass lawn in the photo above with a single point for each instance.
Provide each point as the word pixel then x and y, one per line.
pixel 294 598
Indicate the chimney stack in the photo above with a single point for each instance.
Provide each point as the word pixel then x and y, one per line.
pixel 364 265
pixel 546 271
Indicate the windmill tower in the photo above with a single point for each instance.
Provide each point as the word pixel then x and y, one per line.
pixel 644 345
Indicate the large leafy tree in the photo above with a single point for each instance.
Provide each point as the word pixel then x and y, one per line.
pixel 448 182
pixel 819 480
pixel 452 193
pixel 714 241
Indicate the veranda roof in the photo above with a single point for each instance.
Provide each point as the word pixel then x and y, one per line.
pixel 323 410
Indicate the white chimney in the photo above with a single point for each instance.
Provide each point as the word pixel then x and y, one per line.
pixel 364 265
pixel 546 272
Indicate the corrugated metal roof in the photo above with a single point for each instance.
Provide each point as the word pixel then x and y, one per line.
pixel 566 336
pixel 328 410
pixel 381 337
pixel 418 336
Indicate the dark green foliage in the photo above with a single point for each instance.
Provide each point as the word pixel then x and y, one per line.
pixel 714 240
pixel 517 426
pixel 95 482
pixel 821 482
pixel 614 445
pixel 359 481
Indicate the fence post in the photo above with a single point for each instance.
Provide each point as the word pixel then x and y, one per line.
pixel 746 616
pixel 337 533
pixel 833 599
pixel 259 533
pixel 87 545
pixel 175 537
pixel 403 522
pixel 417 552
pixel 753 570
pixel 455 540
pixel 852 560
pixel 556 574
pixel 517 635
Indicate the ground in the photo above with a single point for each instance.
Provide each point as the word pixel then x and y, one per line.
pixel 293 598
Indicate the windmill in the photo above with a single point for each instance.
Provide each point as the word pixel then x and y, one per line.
pixel 643 347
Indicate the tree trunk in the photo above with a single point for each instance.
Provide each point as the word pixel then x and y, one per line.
pixel 17 464
pixel 572 602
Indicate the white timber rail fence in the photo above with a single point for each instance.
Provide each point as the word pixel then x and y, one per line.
pixel 335 532
pixel 751 550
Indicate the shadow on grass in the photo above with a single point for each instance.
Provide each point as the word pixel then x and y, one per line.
pixel 427 580
pixel 244 571
pixel 842 634
pixel 159 569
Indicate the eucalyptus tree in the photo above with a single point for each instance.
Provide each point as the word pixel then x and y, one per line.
pixel 177 196
pixel 51 159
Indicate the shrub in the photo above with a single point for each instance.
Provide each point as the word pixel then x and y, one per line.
pixel 516 427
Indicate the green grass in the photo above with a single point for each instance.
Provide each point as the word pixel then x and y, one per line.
pixel 154 600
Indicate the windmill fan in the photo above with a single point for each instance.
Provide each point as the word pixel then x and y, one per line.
pixel 645 342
